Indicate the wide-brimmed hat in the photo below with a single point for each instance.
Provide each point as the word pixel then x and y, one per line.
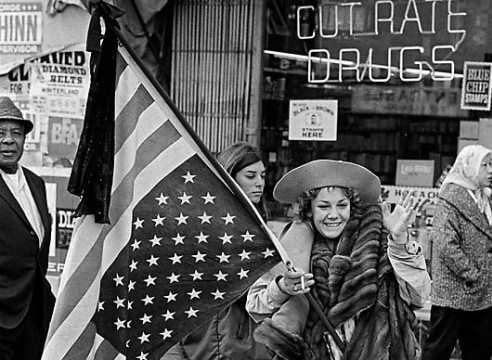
pixel 321 173
pixel 8 111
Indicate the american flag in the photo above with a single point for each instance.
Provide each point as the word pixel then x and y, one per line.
pixel 181 245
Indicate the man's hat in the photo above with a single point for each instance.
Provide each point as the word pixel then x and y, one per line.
pixel 8 111
pixel 321 173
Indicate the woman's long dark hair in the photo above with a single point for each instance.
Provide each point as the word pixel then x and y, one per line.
pixel 235 158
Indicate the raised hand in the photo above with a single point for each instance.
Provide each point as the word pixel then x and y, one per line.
pixel 397 221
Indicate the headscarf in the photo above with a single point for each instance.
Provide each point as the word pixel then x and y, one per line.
pixel 465 174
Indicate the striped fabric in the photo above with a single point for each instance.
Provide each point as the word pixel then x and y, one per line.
pixel 180 246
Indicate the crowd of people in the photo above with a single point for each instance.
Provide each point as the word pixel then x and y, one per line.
pixel 349 290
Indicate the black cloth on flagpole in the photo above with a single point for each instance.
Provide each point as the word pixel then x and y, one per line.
pixel 92 171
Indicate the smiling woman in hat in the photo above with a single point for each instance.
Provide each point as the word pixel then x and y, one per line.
pixel 352 255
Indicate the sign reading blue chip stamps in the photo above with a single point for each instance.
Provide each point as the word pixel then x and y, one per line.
pixel 476 90
pixel 313 120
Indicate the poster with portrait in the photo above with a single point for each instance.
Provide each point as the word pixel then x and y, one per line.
pixel 313 120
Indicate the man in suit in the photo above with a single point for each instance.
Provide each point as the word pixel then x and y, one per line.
pixel 26 300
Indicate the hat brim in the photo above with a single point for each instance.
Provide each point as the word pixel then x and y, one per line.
pixel 322 173
pixel 28 125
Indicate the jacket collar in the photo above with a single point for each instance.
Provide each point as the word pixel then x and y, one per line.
pixel 37 195
pixel 460 199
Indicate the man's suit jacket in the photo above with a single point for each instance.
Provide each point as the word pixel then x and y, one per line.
pixel 23 263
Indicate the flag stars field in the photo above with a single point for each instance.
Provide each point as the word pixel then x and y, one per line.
pixel 135 245
pixel 150 280
pixel 166 334
pixel 247 236
pixel 229 219
pixel 218 294
pixel 118 280
pixel 268 253
pixel 205 218
pixel 191 312
pixel 168 315
pixel 181 219
pixel 156 241
pixel 199 257
pixel 142 356
pixel 221 276
pixel 176 259
pixel 152 260
pixel 133 265
pixel 119 302
pixel 158 220
pixel 178 239
pixel 196 275
pixel 223 257
pixel 194 294
pixel 243 273
pixel 188 177
pixel 146 319
pixel 202 238
pixel 120 324
pixel 161 199
pixel 144 337
pixel 173 278
pixel 185 199
pixel 171 296
pixel 244 255
pixel 138 223
pixel 148 300
pixel 208 199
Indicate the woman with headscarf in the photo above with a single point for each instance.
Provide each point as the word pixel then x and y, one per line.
pixel 354 258
pixel 462 260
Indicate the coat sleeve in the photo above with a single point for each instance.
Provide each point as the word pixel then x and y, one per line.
pixel 265 297
pixel 410 272
pixel 447 239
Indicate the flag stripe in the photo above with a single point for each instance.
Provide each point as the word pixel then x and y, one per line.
pixel 68 350
pixel 126 85
pixel 121 66
pixel 96 343
pixel 105 351
pixel 91 230
pixel 125 158
pixel 70 293
pixel 82 347
pixel 129 117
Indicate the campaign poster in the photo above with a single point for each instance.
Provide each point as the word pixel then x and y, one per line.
pixel 21 25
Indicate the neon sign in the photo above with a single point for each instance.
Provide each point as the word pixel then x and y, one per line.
pixel 383 19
